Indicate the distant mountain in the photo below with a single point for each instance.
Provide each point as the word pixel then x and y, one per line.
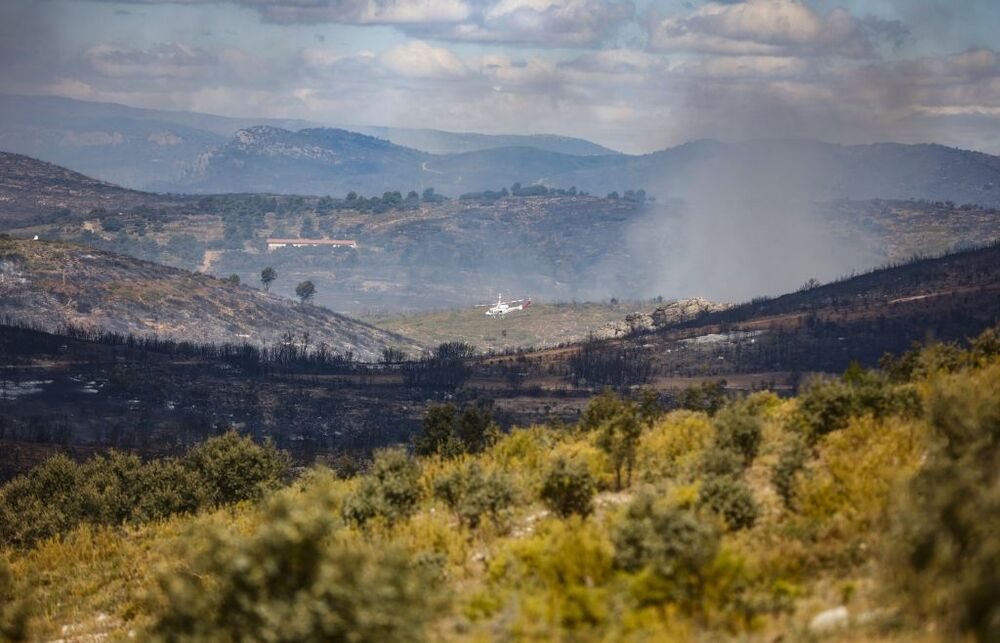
pixel 330 161
pixel 140 148
pixel 440 142
pixel 53 284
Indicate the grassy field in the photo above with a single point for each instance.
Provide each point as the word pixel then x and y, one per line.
pixel 541 324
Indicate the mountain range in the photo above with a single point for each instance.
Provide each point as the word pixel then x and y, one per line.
pixel 333 161
pixel 140 148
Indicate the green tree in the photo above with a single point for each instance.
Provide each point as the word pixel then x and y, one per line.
pixel 267 277
pixel 730 498
pixel 471 494
pixel 233 279
pixel 438 436
pixel 305 291
pixel 476 429
pixel 618 436
pixel 739 428
pixel 568 488
pixel 671 545
pixel 392 489
pixel 234 468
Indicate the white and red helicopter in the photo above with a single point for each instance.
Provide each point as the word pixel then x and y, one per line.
pixel 501 308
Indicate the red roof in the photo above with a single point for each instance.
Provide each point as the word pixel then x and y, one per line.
pixel 315 242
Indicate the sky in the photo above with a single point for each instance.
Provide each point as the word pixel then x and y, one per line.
pixel 635 75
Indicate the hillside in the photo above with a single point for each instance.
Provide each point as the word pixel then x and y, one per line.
pixel 33 190
pixel 325 161
pixel 758 518
pixel 50 285
pixel 140 148
pixel 69 390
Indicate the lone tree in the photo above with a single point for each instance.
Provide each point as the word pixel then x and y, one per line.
pixel 267 276
pixel 305 291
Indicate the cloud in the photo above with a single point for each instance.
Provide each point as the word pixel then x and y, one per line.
pixel 417 59
pixel 545 23
pixel 772 28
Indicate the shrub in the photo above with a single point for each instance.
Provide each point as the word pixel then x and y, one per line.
pixel 618 436
pixel 476 429
pixel 826 406
pixel 673 444
pixel 44 503
pixel 392 489
pixel 470 493
pixel 947 554
pixel 59 494
pixel 291 581
pixel 448 434
pixel 792 459
pixel 568 488
pixel 739 428
pixel 234 468
pixel 707 397
pixel 730 498
pixel 557 577
pixel 13 609
pixel 719 461
pixel 600 409
pixel 669 548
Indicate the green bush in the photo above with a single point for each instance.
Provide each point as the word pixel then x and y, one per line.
pixel 618 436
pixel 291 581
pixel 708 397
pixel 946 547
pixel 668 547
pixel 471 494
pixel 568 488
pixel 825 406
pixel 719 461
pixel 59 494
pixel 739 428
pixel 792 459
pixel 448 433
pixel 730 498
pixel 391 491
pixel 599 410
pixel 234 468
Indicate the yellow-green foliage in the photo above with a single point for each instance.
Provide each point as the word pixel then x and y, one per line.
pixel 673 446
pixel 848 488
pixel 555 578
pixel 914 449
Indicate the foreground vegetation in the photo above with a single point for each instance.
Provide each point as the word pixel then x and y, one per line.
pixel 867 508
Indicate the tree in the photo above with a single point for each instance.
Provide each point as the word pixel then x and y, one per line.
pixel 438 436
pixel 568 488
pixel 233 279
pixel 618 436
pixel 267 277
pixel 305 291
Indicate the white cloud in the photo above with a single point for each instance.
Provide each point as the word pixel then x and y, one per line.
pixel 418 59
pixel 770 27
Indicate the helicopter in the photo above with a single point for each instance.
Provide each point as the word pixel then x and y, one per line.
pixel 501 308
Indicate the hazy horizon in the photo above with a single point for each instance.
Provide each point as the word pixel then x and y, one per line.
pixel 633 76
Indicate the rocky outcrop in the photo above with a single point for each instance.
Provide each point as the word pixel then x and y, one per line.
pixel 670 312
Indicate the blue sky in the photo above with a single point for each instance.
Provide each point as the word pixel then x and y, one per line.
pixel 634 75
